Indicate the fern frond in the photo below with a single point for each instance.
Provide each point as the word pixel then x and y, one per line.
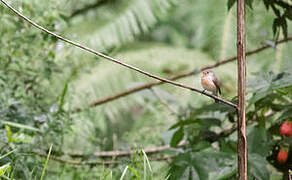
pixel 119 25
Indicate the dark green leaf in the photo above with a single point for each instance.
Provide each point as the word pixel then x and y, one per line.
pixel 267 3
pixel 215 107
pixel 177 137
pixel 198 165
pixel 62 97
pixel 286 115
pixel 249 3
pixel 288 13
pixel 265 84
pixel 183 123
pixel 230 3
pixel 276 25
pixel 276 11
pixel 258 136
pixel 284 27
pixel 189 166
pixel 257 167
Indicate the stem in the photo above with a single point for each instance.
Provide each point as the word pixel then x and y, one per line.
pixel 242 141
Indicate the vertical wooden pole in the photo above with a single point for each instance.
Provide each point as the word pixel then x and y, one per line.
pixel 242 141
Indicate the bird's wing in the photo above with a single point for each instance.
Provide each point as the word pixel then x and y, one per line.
pixel 217 84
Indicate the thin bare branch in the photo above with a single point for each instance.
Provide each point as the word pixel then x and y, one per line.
pixel 74 162
pixel 224 133
pixel 148 151
pixel 180 76
pixel 116 60
pixel 117 154
pixel 96 163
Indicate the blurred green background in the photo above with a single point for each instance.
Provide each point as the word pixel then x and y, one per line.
pixel 43 81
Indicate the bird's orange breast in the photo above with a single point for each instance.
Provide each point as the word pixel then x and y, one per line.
pixel 208 84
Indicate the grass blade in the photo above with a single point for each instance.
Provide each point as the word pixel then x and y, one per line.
pixel 46 163
pixel 4 168
pixel 21 126
pixel 137 176
pixel 147 160
pixel 7 154
pixel 124 173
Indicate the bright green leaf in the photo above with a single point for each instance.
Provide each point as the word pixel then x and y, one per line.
pixel 4 168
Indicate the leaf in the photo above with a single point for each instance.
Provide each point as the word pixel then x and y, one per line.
pixel 257 167
pixel 62 97
pixel 124 173
pixel 215 107
pixel 208 122
pixel 177 137
pixel 183 123
pixel 276 11
pixel 145 157
pixel 249 3
pixel 7 154
pixel 275 27
pixel 258 135
pixel 136 174
pixel 187 166
pixel 18 125
pixel 198 165
pixel 286 115
pixel 230 3
pixel 22 138
pixel 4 168
pixel 265 84
pixel 46 162
pixel 227 173
pixel 288 14
pixel 284 27
pixel 9 133
pixel 127 20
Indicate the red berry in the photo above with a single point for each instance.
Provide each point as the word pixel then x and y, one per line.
pixel 282 155
pixel 286 128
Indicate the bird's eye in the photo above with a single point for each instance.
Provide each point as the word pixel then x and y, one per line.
pixel 207 72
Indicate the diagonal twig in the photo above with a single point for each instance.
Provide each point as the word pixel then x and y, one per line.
pixel 116 60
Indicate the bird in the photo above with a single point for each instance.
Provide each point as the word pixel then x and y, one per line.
pixel 210 83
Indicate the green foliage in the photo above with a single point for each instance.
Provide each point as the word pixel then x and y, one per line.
pixel 46 162
pixel 4 168
pixel 282 10
pixel 198 165
pixel 120 22
pixel 42 82
pixel 268 107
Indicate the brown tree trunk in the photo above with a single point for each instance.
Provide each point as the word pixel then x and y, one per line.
pixel 242 141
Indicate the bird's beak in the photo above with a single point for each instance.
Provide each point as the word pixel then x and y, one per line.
pixel 204 73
